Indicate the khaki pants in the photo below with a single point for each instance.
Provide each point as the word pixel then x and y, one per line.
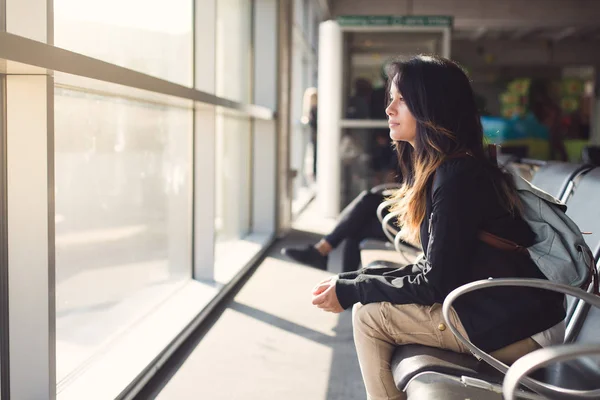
pixel 380 327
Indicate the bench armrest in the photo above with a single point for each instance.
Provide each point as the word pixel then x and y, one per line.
pixel 387 227
pixel 381 208
pixel 385 187
pixel 532 384
pixel 544 357
pixel 398 242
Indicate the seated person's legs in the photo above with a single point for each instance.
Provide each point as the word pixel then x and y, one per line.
pixel 351 254
pixel 353 220
pixel 380 327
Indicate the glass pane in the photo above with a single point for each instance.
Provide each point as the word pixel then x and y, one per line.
pixel 234 33
pixel 315 35
pixel 233 180
pixel 368 159
pixel 150 36
pixel 298 11
pixel 306 17
pixel 303 137
pixel 123 212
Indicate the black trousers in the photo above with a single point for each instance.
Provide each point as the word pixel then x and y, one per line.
pixel 358 221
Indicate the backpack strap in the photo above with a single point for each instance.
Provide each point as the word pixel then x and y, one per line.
pixel 593 278
pixel 501 243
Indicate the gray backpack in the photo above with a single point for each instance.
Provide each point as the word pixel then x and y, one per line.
pixel 560 250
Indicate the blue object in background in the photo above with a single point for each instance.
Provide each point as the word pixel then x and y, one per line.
pixel 499 130
pixel 528 127
pixel 495 129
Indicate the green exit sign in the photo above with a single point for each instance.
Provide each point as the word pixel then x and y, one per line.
pixel 391 20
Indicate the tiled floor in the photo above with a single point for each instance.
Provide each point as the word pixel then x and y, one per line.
pixel 270 342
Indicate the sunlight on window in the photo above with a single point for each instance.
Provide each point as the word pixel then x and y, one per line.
pixel 149 36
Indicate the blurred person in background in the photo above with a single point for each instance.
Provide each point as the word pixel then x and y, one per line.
pixel 542 105
pixel 384 161
pixel 309 117
pixel 358 221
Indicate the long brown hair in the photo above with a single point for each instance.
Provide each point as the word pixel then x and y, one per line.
pixel 439 96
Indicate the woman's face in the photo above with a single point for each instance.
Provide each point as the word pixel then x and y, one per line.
pixel 403 126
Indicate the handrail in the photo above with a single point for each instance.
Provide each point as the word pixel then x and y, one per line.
pixel 532 161
pixel 397 241
pixel 533 384
pixel 390 232
pixel 542 358
pixel 382 206
pixel 385 186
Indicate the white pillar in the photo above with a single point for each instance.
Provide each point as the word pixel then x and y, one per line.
pixel 284 73
pixel 30 223
pixel 329 116
pixel 29 158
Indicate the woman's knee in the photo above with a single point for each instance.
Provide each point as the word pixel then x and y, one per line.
pixel 365 316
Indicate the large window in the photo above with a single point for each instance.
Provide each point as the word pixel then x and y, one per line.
pixel 150 36
pixel 131 200
pixel 123 216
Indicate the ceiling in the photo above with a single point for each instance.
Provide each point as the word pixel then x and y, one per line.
pixel 497 32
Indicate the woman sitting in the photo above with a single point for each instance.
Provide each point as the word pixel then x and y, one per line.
pixel 451 193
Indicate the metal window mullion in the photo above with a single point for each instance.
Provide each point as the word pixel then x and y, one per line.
pixel 204 141
pixel 51 215
pixel 264 147
pixel 284 71
pixel 51 208
pixel 4 296
pixel 30 52
pixel 252 133
pixel 193 150
pixel 2 15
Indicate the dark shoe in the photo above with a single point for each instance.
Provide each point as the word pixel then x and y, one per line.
pixel 307 255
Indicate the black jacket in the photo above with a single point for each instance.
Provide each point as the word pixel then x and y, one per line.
pixel 463 203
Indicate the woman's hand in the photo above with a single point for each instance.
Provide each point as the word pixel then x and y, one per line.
pixel 323 285
pixel 324 296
